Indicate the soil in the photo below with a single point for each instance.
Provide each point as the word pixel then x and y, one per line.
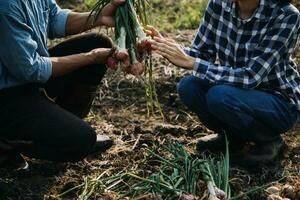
pixel 120 112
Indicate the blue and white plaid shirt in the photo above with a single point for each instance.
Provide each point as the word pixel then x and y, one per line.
pixel 253 53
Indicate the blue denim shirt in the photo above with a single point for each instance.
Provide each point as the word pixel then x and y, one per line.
pixel 25 26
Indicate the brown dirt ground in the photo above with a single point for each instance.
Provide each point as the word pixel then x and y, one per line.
pixel 120 112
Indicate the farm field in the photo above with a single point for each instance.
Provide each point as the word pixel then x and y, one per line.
pixel 120 112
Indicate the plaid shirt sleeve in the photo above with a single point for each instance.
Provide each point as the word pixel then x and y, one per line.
pixel 277 43
pixel 203 45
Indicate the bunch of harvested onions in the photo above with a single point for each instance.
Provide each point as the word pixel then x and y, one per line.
pixel 132 45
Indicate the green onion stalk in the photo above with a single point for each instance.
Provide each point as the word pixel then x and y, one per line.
pixel 177 177
pixel 214 193
pixel 133 47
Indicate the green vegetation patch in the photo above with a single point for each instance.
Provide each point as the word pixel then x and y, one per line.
pixel 170 14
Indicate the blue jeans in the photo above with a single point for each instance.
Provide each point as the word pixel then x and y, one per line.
pixel 249 115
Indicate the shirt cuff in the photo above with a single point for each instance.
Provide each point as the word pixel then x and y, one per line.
pixel 59 22
pixel 45 71
pixel 200 68
pixel 187 50
pixel 191 52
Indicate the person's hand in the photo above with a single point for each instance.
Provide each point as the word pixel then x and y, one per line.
pixel 172 51
pixel 100 55
pixel 169 49
pixel 153 32
pixel 106 17
pixel 119 58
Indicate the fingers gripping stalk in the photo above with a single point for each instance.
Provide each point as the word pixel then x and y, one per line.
pixel 133 47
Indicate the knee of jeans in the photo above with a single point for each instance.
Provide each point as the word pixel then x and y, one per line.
pixel 186 88
pixel 218 98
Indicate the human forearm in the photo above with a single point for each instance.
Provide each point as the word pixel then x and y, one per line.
pixel 80 22
pixel 67 64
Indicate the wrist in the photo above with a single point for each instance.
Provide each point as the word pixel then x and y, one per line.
pixel 98 22
pixel 91 57
pixel 95 22
pixel 190 62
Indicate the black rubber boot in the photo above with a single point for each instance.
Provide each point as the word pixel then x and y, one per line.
pixel 262 153
pixel 216 143
pixel 10 158
pixel 102 144
pixel 13 160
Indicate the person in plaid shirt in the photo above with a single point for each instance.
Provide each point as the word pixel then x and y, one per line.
pixel 245 82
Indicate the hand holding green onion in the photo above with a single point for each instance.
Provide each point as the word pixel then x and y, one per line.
pixel 107 15
pixel 132 44
pixel 133 47
pixel 100 55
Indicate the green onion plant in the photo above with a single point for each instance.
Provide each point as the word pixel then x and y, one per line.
pixel 178 176
pixel 132 45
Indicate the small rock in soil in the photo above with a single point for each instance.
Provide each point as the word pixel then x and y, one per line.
pixel 273 190
pixel 288 191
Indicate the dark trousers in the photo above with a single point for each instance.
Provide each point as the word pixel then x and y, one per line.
pixel 245 115
pixel 39 127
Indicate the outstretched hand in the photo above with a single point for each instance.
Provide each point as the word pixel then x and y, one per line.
pixel 169 49
pixel 107 14
pixel 153 32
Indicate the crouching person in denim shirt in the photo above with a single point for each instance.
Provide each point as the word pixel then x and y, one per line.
pixel 44 94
